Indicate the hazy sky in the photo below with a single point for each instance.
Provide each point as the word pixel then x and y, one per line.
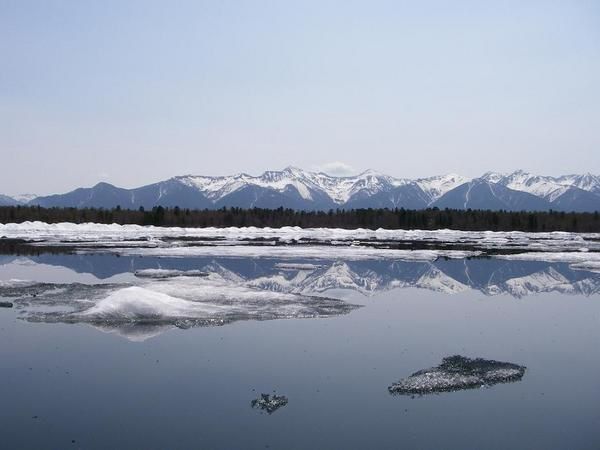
pixel 135 92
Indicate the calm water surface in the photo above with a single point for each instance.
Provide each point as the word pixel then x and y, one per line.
pixel 192 388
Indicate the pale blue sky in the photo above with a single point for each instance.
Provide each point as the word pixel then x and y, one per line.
pixel 135 92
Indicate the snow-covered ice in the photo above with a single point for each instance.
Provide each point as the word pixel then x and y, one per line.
pixel 164 302
pixel 286 242
pixel 569 257
pixel 150 235
pixel 349 253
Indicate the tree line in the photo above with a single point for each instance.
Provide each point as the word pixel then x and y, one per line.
pixel 426 219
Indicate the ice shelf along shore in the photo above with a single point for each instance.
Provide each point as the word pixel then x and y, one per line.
pixel 298 242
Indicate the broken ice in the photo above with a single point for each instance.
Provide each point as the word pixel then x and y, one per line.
pixel 165 273
pixel 457 373
pixel 269 403
pixel 164 302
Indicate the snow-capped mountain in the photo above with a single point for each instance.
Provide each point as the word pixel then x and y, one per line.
pixel 435 187
pixel 13 200
pixel 568 192
pixel 545 187
pixel 482 194
pixel 299 189
pixel 5 200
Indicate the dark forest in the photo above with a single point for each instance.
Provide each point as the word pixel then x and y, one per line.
pixel 427 219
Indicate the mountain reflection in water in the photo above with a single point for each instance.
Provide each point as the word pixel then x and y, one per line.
pixel 451 276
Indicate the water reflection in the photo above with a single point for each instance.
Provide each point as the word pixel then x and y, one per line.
pixel 489 276
pixel 164 293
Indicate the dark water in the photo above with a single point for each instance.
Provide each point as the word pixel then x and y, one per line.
pixel 192 388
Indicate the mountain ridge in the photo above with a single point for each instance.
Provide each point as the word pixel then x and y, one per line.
pixel 304 190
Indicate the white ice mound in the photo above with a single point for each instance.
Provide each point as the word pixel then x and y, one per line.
pixel 179 301
pixel 139 304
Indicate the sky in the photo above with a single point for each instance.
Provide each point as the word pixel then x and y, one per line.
pixel 133 92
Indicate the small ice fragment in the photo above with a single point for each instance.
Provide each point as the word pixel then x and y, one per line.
pixel 164 273
pixel 269 403
pixel 297 266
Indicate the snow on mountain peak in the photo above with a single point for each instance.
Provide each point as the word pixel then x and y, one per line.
pixel 24 198
pixel 548 187
pixel 370 182
pixel 437 186
pixel 587 181
pixel 492 177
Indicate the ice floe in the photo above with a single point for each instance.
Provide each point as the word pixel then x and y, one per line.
pixel 269 403
pixel 590 266
pixel 165 273
pixel 582 260
pixel 457 373
pixel 569 257
pixel 349 253
pixel 181 302
pixel 296 266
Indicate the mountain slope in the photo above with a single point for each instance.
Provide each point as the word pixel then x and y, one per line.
pixel 5 200
pixel 104 195
pixel 303 190
pixel 481 194
pixel 575 199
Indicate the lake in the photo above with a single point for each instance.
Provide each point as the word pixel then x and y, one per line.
pixel 122 342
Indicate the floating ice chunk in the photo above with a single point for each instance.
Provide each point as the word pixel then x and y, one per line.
pixel 165 273
pixel 297 266
pixel 137 304
pixel 590 266
pixel 15 283
pixel 182 302
pixel 569 257
pixel 348 253
pixel 457 373
pixel 269 403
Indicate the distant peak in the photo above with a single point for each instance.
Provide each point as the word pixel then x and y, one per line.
pixel 371 172
pixel 491 174
pixel 104 184
pixel 293 169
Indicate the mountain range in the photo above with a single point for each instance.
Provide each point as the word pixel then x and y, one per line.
pixel 304 190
